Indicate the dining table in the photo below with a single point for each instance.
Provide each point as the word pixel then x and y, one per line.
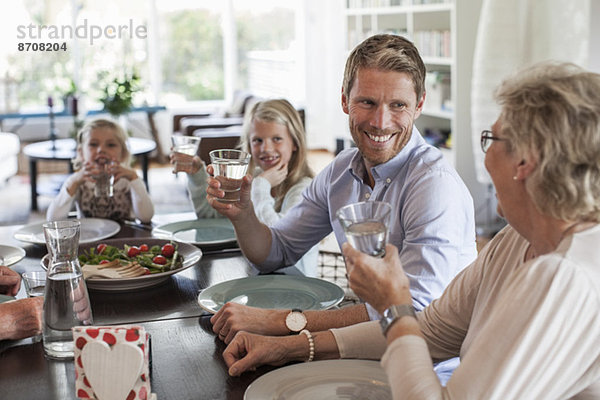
pixel 186 356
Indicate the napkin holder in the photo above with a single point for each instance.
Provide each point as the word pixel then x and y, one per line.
pixel 112 362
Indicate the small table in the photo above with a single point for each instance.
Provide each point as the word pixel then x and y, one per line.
pixel 65 150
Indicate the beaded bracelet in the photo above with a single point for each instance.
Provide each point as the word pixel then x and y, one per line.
pixel 311 345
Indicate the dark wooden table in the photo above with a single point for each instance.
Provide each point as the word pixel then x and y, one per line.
pixel 186 355
pixel 64 150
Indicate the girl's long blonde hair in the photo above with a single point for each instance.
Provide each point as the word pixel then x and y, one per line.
pixel 280 111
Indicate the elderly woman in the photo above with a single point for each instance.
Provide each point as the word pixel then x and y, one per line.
pixel 525 316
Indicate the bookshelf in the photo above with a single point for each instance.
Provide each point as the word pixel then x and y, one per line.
pixel 430 24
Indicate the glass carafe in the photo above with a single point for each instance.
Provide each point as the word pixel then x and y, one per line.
pixel 66 300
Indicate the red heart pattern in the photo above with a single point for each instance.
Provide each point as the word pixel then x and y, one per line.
pixel 111 335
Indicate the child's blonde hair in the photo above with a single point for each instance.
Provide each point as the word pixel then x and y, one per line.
pixel 84 134
pixel 281 112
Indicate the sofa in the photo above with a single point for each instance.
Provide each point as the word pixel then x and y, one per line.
pixel 10 146
pixel 233 115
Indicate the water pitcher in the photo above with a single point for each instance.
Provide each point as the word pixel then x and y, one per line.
pixel 66 300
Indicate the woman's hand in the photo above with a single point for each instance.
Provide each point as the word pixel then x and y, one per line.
pixel 380 282
pixel 185 163
pixel 248 351
pixel 10 281
pixel 277 174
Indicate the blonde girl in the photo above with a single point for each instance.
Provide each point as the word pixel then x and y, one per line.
pixel 102 147
pixel 274 134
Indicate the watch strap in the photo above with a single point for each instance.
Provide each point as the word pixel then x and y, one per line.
pixel 394 313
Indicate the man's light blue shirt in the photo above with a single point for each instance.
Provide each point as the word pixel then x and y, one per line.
pixel 432 219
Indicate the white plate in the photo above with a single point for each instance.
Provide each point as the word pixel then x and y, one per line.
pixel 201 232
pixel 10 255
pixel 273 291
pixel 206 231
pixel 92 229
pixel 331 379
pixel 191 255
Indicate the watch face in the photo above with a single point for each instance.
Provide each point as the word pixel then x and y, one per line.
pixel 295 321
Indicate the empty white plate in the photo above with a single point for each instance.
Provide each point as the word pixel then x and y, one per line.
pixel 10 255
pixel 92 229
pixel 330 379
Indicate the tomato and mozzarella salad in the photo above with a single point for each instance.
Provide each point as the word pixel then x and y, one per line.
pixel 155 259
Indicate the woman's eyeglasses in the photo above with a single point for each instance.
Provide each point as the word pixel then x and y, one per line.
pixel 487 137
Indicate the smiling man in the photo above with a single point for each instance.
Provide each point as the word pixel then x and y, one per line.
pixel 433 218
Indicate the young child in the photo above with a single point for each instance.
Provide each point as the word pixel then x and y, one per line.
pixel 102 146
pixel 274 135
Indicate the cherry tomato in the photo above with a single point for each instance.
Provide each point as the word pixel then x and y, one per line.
pixel 168 250
pixel 104 262
pixel 133 251
pixel 144 247
pixel 100 248
pixel 159 260
pixel 147 271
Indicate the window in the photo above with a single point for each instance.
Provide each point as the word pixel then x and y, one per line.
pixel 90 45
pixel 210 49
pixel 269 59
pixel 190 50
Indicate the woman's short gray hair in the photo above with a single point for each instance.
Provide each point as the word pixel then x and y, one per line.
pixel 552 111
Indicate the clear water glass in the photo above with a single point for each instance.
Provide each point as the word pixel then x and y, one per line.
pixel 66 299
pixel 366 226
pixel 186 145
pixel 35 283
pixel 230 166
pixel 105 182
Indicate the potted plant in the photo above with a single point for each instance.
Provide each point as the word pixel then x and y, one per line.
pixel 117 97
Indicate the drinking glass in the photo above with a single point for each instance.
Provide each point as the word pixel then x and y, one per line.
pixel 366 225
pixel 35 283
pixel 66 300
pixel 105 181
pixel 185 145
pixel 230 167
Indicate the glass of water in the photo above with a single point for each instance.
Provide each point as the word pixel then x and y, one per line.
pixel 230 167
pixel 366 225
pixel 105 181
pixel 66 300
pixel 187 145
pixel 35 283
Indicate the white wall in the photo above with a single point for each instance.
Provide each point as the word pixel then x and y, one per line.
pixel 594 36
pixel 325 52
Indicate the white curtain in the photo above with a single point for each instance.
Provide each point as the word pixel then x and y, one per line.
pixel 516 33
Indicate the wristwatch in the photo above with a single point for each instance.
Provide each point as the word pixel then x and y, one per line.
pixel 295 321
pixel 394 313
